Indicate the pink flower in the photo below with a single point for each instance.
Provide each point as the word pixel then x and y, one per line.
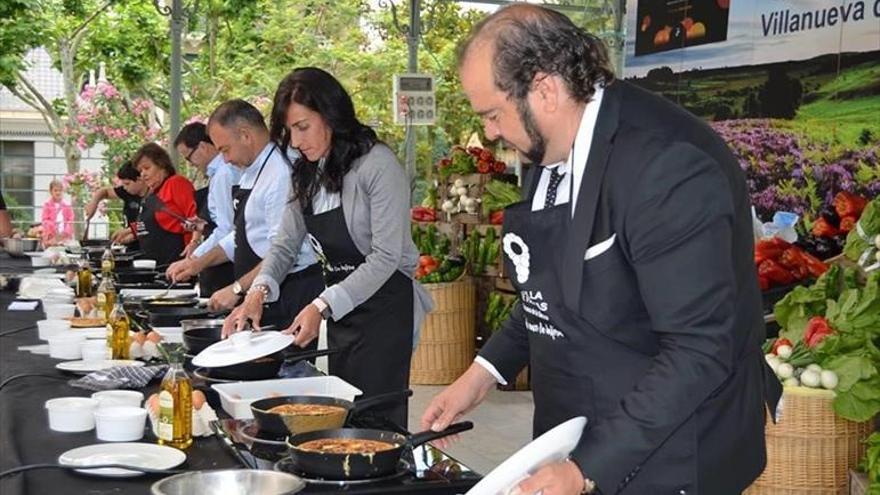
pixel 81 143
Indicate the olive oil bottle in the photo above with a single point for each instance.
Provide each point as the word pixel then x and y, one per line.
pixel 106 294
pixel 108 261
pixel 118 336
pixel 84 278
pixel 175 408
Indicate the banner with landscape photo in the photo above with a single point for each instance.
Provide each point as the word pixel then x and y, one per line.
pixel 792 85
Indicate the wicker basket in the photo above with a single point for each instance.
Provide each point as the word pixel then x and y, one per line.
pixel 446 347
pixel 811 450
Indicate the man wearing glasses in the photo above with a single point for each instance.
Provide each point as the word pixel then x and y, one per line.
pixel 213 203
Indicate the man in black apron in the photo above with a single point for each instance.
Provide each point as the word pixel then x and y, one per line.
pixel 237 129
pixel 373 334
pixel 639 304
pixel 194 144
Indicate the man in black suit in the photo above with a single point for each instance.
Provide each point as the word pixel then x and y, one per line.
pixel 632 253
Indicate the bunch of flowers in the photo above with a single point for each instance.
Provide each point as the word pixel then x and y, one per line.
pixel 105 116
pixel 81 185
pixel 785 172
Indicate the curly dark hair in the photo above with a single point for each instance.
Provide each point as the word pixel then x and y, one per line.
pixel 322 93
pixel 157 155
pixel 529 39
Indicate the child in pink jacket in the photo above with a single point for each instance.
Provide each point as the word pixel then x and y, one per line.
pixel 57 217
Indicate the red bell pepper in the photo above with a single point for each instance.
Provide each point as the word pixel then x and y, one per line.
pixel 775 273
pixel 769 249
pixel 814 265
pixel 496 217
pixel 483 166
pixel 847 224
pixel 823 228
pixel 816 331
pixel 423 214
pixel 849 205
pixel 499 167
pixel 779 343
pixel 763 282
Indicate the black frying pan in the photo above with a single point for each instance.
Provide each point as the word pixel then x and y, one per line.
pixel 136 276
pixel 291 424
pixel 348 466
pixel 266 367
pixel 171 317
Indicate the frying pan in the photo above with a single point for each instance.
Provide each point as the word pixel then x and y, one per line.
pixel 153 303
pixel 359 466
pixel 136 276
pixel 291 424
pixel 171 316
pixel 265 367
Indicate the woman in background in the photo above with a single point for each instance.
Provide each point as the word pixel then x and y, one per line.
pixel 161 228
pixel 57 218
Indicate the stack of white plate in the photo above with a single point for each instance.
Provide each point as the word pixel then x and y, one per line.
pixel 48 328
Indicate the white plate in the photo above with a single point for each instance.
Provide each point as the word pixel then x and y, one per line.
pixel 90 366
pixel 146 455
pixel 228 351
pixel 553 446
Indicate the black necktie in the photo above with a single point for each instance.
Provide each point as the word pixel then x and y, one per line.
pixel 555 179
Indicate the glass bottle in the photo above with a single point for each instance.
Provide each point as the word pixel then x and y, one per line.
pixel 118 336
pixel 108 261
pixel 106 295
pixel 175 408
pixel 84 278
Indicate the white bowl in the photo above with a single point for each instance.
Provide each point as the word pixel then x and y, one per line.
pixel 144 264
pixel 48 328
pixel 95 350
pixel 115 398
pixel 71 413
pixel 120 423
pixel 40 261
pixel 66 345
pixel 57 311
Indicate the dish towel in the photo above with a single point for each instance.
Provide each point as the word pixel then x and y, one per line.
pixel 120 377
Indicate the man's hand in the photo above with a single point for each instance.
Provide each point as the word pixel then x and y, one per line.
pixel 559 478
pixel 122 236
pixel 306 325
pixel 223 299
pixel 250 309
pixel 457 399
pixel 182 270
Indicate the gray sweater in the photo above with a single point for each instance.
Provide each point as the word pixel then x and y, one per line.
pixel 375 203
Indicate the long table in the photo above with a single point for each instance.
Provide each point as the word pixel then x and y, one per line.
pixel 25 437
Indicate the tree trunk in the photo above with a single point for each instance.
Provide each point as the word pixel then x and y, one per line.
pixel 72 153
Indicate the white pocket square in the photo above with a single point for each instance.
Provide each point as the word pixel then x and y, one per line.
pixel 597 249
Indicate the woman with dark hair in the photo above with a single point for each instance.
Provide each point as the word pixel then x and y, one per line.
pixel 161 230
pixel 131 191
pixel 351 200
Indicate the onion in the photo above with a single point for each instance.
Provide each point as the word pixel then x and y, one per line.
pixel 783 351
pixel 458 183
pixel 828 379
pixel 791 382
pixel 814 367
pixel 811 378
pixel 786 370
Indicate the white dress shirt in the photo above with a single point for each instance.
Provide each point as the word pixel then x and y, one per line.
pixel 221 177
pixel 268 199
pixel 570 184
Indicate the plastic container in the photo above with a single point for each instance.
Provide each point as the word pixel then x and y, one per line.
pixel 144 264
pixel 66 345
pixel 120 423
pixel 117 398
pixel 95 350
pixel 236 398
pixel 71 414
pixel 57 311
pixel 48 328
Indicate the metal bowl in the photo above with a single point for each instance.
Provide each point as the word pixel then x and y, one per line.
pixel 229 482
pixel 17 247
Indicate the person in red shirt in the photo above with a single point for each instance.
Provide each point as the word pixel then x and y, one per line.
pixel 162 227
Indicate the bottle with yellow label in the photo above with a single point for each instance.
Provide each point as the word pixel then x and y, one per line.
pixel 106 295
pixel 118 336
pixel 175 408
pixel 84 278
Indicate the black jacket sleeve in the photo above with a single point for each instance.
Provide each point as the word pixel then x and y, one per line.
pixel 508 348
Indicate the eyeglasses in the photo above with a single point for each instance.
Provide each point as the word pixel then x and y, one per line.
pixel 190 154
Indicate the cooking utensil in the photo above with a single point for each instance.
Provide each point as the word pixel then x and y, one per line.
pixel 199 334
pixel 231 482
pixel 291 424
pixel 360 466
pixel 172 316
pixel 135 276
pixel 265 367
pixel 16 247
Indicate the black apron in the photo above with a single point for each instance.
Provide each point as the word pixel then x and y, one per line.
pixel 213 278
pixel 296 290
pixel 376 336
pixel 157 243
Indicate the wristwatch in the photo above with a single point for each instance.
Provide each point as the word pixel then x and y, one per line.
pixel 237 289
pixel 323 307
